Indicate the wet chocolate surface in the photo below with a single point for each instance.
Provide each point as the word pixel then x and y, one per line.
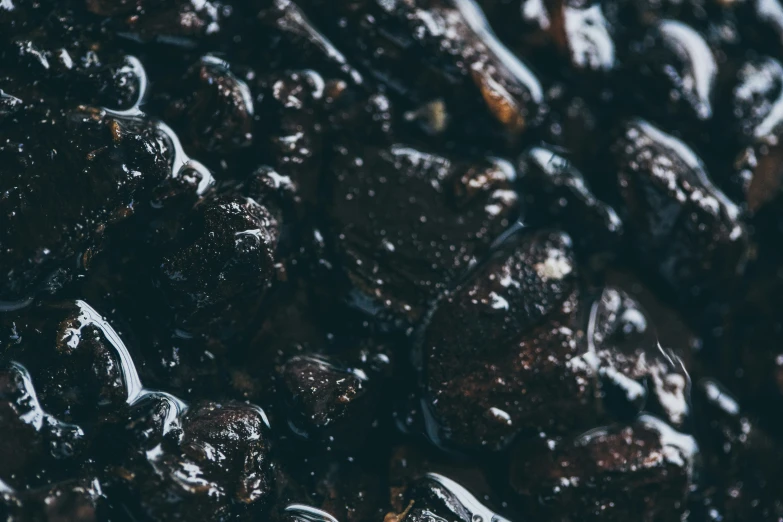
pixel 391 260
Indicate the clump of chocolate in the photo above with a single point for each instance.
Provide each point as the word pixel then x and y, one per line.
pixel 483 379
pixel 225 254
pixel 445 50
pixel 96 164
pixel 78 362
pixel 683 226
pixel 212 462
pixel 676 71
pixel 216 109
pixel 608 473
pixel 326 402
pixel 393 204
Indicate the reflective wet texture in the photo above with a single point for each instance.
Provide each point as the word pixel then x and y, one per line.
pixel 391 260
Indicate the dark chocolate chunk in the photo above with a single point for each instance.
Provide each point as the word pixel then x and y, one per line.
pixel 325 402
pixel 408 223
pixel 610 473
pixel 683 227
